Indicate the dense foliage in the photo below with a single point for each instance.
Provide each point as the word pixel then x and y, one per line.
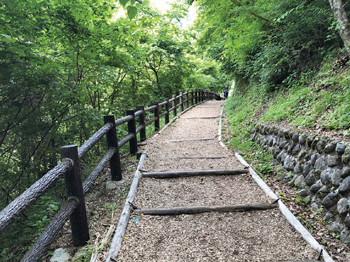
pixel 269 43
pixel 66 64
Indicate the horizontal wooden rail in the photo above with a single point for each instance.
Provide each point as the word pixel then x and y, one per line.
pixel 138 113
pixel 163 103
pixel 139 128
pixel 123 120
pixel 172 174
pixel 163 114
pixel 93 140
pixel 171 99
pixel 150 108
pixel 151 121
pixel 89 182
pixel 126 140
pixel 10 213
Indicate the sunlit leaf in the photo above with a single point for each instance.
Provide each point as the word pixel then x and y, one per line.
pixel 132 11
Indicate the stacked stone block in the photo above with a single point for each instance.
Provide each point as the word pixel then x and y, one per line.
pixel 317 166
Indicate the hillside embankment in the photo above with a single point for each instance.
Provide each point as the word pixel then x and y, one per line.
pixel 297 138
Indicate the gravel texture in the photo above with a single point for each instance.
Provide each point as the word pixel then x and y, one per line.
pixel 245 236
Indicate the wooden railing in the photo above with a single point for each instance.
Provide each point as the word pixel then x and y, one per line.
pixel 70 169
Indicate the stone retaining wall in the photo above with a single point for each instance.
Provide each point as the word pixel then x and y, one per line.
pixel 317 166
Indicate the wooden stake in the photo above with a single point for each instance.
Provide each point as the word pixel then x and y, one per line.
pixel 204 209
pixel 172 174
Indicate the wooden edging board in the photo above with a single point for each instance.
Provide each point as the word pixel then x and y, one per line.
pixel 284 210
pixel 124 217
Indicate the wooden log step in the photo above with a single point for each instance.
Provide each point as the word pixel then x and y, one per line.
pixel 201 117
pixel 194 157
pixel 203 209
pixel 208 107
pixel 173 174
pixel 190 140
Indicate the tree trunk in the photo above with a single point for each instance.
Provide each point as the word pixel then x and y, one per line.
pixel 342 19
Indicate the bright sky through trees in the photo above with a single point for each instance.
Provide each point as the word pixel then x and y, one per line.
pixel 165 5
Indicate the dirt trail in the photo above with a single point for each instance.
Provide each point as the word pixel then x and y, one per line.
pixel 246 236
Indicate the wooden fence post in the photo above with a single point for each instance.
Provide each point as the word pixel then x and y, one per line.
pixel 74 189
pixel 156 115
pixel 186 99
pixel 191 97
pixel 112 141
pixel 132 130
pixel 181 102
pixel 174 105
pixel 196 96
pixel 202 95
pixel 167 110
pixel 142 123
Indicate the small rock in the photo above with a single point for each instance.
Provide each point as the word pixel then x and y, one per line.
pixel 330 200
pixel 347 221
pixel 345 172
pixel 307 168
pixel 313 159
pixel 320 164
pixel 114 184
pixel 320 146
pixel 60 255
pixel 335 227
pixel 315 187
pixel 300 182
pixel 310 179
pixel 335 177
pixel 302 154
pixel 344 236
pixel 346 158
pixel 322 192
pixel 314 207
pixel 298 168
pixel 328 217
pixel 330 147
pixel 340 149
pixel 345 185
pixel 302 139
pixel 296 150
pixel 283 144
pixel 342 206
pixel 287 162
pixel 304 192
pixel 295 137
pixel 325 177
pixel 333 160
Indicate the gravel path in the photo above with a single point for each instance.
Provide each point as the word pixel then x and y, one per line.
pixel 246 236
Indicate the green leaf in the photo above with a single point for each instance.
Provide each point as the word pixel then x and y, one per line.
pixel 136 219
pixel 123 2
pixel 132 11
pixel 132 2
pixel 7 38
